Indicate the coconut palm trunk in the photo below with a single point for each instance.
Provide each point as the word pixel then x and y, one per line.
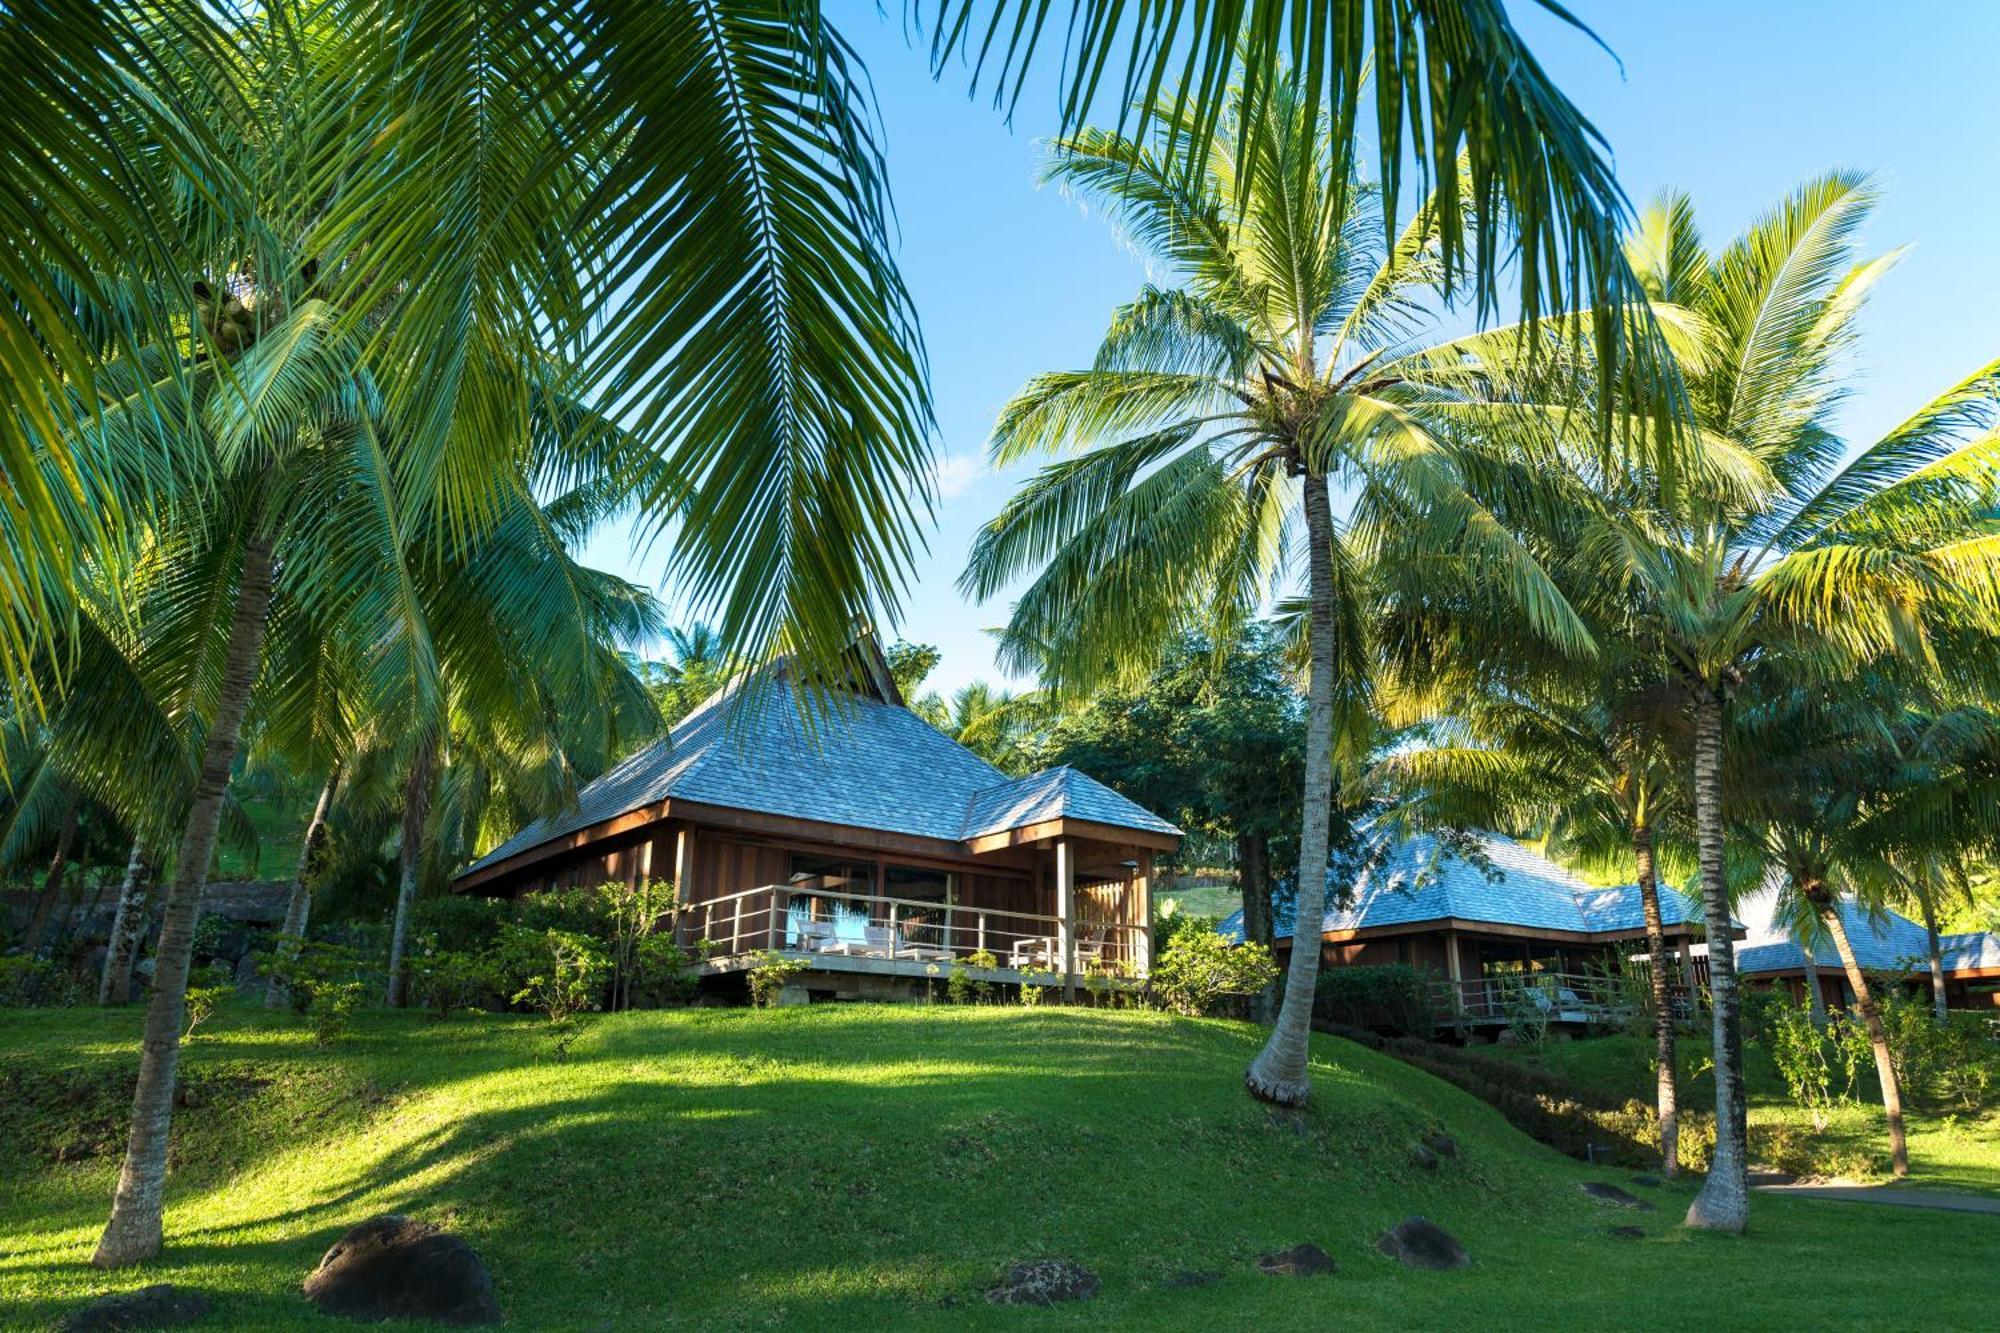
pixel 1668 1095
pixel 1815 996
pixel 1278 1074
pixel 1940 1006
pixel 52 884
pixel 134 1231
pixel 1252 870
pixel 1724 1201
pixel 1871 1017
pixel 128 925
pixel 416 810
pixel 298 906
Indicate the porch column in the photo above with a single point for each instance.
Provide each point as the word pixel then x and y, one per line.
pixel 1066 916
pixel 683 880
pixel 1142 899
pixel 1687 966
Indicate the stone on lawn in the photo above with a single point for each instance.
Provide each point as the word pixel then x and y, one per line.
pixel 1626 1233
pixel 1444 1145
pixel 1421 1156
pixel 1303 1260
pixel 162 1305
pixel 1612 1196
pixel 1418 1243
pixel 394 1267
pixel 1044 1282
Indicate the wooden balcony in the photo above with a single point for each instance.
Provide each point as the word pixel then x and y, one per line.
pixel 867 933
pixel 1554 998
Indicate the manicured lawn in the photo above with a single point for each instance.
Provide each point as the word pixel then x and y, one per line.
pixel 858 1166
pixel 1950 1147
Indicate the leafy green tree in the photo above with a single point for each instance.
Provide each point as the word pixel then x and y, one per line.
pixel 1218 412
pixel 1784 546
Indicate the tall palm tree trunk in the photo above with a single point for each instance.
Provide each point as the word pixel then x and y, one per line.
pixel 1668 1095
pixel 1724 1201
pixel 1871 1017
pixel 1815 996
pixel 134 1231
pixel 416 809
pixel 128 923
pixel 1940 1007
pixel 52 884
pixel 298 906
pixel 1253 872
pixel 1278 1074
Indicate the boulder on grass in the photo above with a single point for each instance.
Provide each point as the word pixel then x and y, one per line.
pixel 1044 1282
pixel 1441 1143
pixel 1626 1233
pixel 162 1305
pixel 1423 1157
pixel 1612 1196
pixel 1416 1242
pixel 1304 1260
pixel 394 1267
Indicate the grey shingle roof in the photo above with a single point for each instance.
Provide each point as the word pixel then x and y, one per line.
pixel 1423 879
pixel 1055 793
pixel 859 761
pixel 1885 943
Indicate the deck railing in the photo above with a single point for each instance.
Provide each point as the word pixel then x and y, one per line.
pixel 1554 997
pixel 810 921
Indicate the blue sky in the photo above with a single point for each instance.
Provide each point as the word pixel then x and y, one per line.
pixel 1733 102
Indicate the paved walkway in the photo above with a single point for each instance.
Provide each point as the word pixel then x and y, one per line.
pixel 1891 1196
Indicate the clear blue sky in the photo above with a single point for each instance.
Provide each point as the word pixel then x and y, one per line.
pixel 1734 102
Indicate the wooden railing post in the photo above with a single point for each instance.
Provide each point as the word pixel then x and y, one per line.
pixel 894 942
pixel 982 932
pixel 1066 916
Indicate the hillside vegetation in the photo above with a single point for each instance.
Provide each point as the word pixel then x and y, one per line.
pixel 855 1166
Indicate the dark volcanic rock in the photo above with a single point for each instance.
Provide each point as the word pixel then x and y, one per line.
pixel 1303 1260
pixel 1612 1195
pixel 1421 1156
pixel 160 1306
pixel 1418 1243
pixel 1626 1233
pixel 1044 1282
pixel 1444 1145
pixel 394 1267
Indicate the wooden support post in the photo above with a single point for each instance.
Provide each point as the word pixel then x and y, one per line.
pixel 1066 916
pixel 893 943
pixel 683 882
pixel 1453 969
pixel 1687 967
pixel 736 924
pixel 1142 905
pixel 982 932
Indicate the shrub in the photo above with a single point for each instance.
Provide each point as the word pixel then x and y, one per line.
pixel 961 988
pixel 332 1005
pixel 1032 991
pixel 1199 970
pixel 30 982
pixel 447 979
pixel 1804 1059
pixel 567 967
pixel 662 972
pixel 304 967
pixel 769 976
pixel 207 988
pixel 1394 998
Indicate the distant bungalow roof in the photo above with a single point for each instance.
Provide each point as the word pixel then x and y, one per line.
pixel 856 758
pixel 1882 942
pixel 1422 879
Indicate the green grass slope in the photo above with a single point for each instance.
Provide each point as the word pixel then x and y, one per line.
pixel 860 1166
pixel 1951 1147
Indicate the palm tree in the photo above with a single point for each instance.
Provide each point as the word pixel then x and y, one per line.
pixel 1582 761
pixel 1215 418
pixel 1800 557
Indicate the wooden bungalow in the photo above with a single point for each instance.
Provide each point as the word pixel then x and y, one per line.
pixel 1885 943
pixel 1491 922
pixel 839 828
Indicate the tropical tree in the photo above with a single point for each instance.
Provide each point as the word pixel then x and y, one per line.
pixel 1583 762
pixel 1216 416
pixel 1808 555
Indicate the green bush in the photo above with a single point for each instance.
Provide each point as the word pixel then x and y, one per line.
pixel 36 983
pixel 305 967
pixel 445 980
pixel 207 988
pixel 961 987
pixel 1199 971
pixel 1393 998
pixel 769 975
pixel 662 973
pixel 332 1006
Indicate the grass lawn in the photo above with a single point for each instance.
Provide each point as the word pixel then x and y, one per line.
pixel 856 1166
pixel 1949 1148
